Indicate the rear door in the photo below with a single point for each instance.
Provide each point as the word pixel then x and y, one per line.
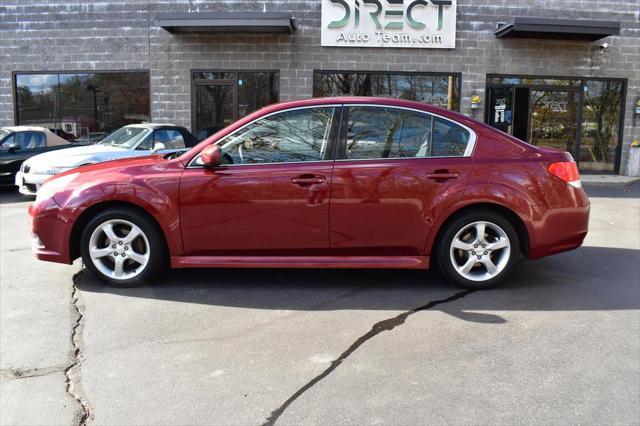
pixel 397 170
pixel 270 197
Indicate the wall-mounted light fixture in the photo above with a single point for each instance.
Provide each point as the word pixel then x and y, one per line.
pixel 475 104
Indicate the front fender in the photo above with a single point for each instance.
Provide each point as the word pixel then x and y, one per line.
pixel 152 188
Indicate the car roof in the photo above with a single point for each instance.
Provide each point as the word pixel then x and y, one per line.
pixel 52 138
pixel 25 128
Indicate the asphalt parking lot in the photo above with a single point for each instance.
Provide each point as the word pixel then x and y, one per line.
pixel 558 343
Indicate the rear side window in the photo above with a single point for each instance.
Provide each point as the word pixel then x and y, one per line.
pixel 375 132
pixel 449 139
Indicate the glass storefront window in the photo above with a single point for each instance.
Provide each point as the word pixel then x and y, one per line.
pixel 83 105
pixel 213 75
pixel 437 89
pixel 600 124
pixel 533 81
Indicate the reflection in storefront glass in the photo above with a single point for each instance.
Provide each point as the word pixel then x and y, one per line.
pixel 255 90
pixel 214 109
pixel 600 125
pixel 84 105
pixel 439 90
pixel 553 119
pixel 552 114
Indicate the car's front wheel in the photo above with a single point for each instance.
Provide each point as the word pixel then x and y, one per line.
pixel 478 249
pixel 122 247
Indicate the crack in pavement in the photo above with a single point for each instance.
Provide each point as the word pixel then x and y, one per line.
pixel 377 328
pixel 72 372
pixel 17 373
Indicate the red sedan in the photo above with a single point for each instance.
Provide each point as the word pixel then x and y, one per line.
pixel 321 183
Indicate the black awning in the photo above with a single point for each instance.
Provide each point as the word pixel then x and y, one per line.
pixel 227 22
pixel 558 29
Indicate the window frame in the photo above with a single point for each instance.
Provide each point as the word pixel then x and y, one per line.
pixel 341 148
pixel 329 152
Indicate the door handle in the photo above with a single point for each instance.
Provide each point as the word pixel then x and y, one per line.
pixel 308 180
pixel 443 175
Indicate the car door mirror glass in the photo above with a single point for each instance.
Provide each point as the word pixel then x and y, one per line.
pixel 211 156
pixel 13 147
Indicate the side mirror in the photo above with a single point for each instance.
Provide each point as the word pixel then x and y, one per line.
pixel 211 156
pixel 13 147
pixel 159 146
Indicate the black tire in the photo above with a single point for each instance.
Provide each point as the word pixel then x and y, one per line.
pixel 156 246
pixel 443 249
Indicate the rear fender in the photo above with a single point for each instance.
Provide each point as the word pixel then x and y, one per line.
pixel 491 194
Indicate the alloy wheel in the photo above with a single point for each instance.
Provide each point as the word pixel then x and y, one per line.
pixel 480 251
pixel 119 249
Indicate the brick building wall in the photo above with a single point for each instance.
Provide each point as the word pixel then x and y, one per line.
pixel 56 35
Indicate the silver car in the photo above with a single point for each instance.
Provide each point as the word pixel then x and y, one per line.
pixel 129 141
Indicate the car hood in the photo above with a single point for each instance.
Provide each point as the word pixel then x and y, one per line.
pixel 80 155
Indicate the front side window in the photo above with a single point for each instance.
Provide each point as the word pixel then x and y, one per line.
pixel 4 145
pixel 171 138
pixel 26 140
pixel 375 133
pixel 284 137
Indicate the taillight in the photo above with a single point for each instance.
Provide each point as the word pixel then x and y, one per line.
pixel 567 171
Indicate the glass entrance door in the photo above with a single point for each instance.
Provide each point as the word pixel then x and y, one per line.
pixel 214 108
pixel 501 109
pixel 222 97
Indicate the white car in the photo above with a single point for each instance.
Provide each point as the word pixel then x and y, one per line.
pixel 130 141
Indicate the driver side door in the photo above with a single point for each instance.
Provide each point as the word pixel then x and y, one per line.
pixel 270 197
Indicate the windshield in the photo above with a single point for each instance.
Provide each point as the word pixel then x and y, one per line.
pixel 126 137
pixel 3 133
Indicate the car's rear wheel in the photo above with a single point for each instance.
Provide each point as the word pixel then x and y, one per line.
pixel 122 248
pixel 478 249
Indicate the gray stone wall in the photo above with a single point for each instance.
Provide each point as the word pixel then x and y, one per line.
pixel 41 35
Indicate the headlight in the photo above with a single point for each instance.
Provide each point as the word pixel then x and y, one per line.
pixel 52 186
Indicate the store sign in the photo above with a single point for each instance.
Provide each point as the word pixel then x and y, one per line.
pixel 500 110
pixel 554 105
pixel 389 23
